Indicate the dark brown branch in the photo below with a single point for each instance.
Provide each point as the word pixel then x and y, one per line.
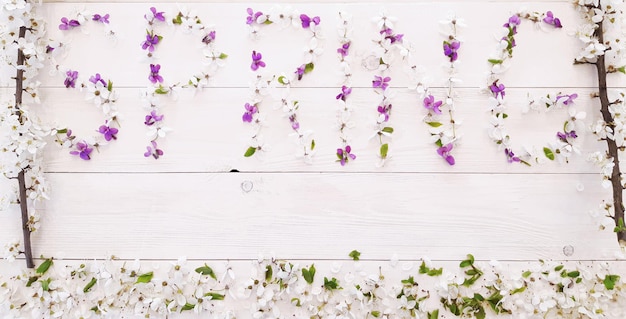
pixel 613 150
pixel 21 179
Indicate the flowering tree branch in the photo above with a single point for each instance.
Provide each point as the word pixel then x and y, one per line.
pixel 19 79
pixel 23 198
pixel 616 175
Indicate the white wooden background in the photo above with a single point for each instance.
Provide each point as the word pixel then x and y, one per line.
pixel 189 203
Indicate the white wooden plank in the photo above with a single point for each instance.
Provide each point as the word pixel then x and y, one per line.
pixel 210 136
pixel 538 53
pixel 238 215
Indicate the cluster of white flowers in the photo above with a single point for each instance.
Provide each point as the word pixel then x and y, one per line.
pixel 22 136
pixel 213 60
pixel 282 289
pixel 278 86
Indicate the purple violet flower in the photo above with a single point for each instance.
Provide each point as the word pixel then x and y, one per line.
pixel 68 24
pixel 97 78
pixel 385 110
pixel 497 89
pixel 345 155
pixel 153 118
pixel 98 18
pixel 514 21
pixel 83 150
pixel 209 38
pixel 252 16
pixel 431 104
pixel 151 41
pixel 295 125
pixel 156 15
pixel 300 71
pixel 552 20
pixel 510 156
pixel 108 132
pixel 564 136
pixel 345 91
pixel 306 21
pixel 256 61
pixel 569 99
pixel 251 109
pixel 153 151
pixel 444 151
pixel 450 49
pixel 154 76
pixel 344 49
pixel 380 82
pixel 70 80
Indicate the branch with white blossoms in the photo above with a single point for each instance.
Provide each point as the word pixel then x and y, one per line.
pixel 282 288
pixel 499 62
pixel 602 38
pixel 212 61
pixel 22 137
pixel 279 85
pixel 388 45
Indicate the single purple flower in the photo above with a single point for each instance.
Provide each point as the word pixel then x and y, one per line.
pixel 385 110
pixel 569 99
pixel 68 24
pixel 344 155
pixel 209 38
pixel 345 91
pixel 510 156
pixel 306 21
pixel 431 104
pixel 552 20
pixel 497 89
pixel 153 151
pixel 256 61
pixel 251 109
pixel 563 136
pixel 70 79
pixel 380 82
pixel 252 16
pixel 295 125
pixel 444 151
pixel 300 71
pixel 98 18
pixel 514 21
pixel 97 78
pixel 151 41
pixel 152 118
pixel 83 150
pixel 450 49
pixel 344 49
pixel 155 15
pixel 388 32
pixel 154 76
pixel 108 132
pixel 49 49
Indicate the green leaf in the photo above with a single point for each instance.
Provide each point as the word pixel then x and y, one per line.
pixel 308 68
pixel 269 272
pixel 549 154
pixel 439 143
pixel 44 267
pixel 178 19
pixel 423 268
pixel 62 131
pixel 32 280
pixel 309 274
pixel 90 285
pixel 479 297
pixel 518 290
pixel 145 278
pixel 297 302
pixel 434 124
pixel 110 86
pixel 282 80
pixel 45 284
pixel 480 314
pixel 355 255
pixel 250 151
pixel 375 313
pixel 161 90
pixel 215 296
pixel 187 306
pixel 471 272
pixel 160 38
pixel 622 69
pixel 465 263
pixel 495 61
pixel 207 271
pixel 610 280
pixel 526 274
pixel 435 272
pixel 388 129
pixel 312 145
pixel 223 56
pixel 408 281
pixel 331 284
pixel 384 150
pixel 573 274
pixel 434 314
pixel 268 22
pixel 558 268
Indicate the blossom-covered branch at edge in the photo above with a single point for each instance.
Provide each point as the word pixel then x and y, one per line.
pixel 388 45
pixel 602 37
pixel 212 61
pixel 444 133
pixel 275 288
pixel 344 113
pixel 499 63
pixel 21 136
pixel 279 85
